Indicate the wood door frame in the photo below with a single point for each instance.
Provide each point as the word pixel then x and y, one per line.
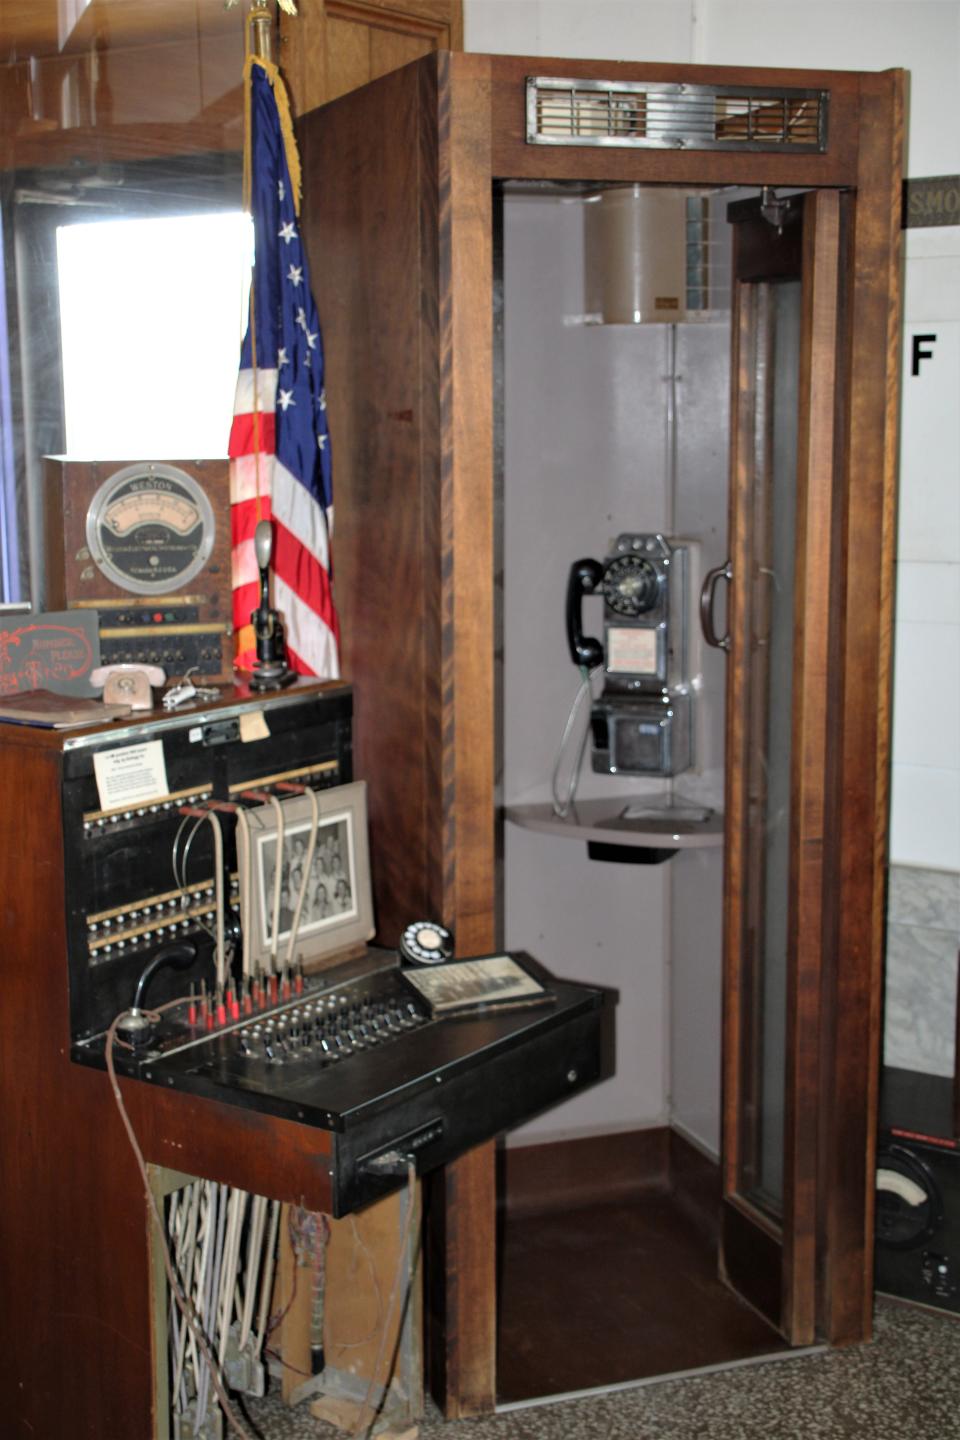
pixel 858 808
pixel 479 122
pixel 791 1303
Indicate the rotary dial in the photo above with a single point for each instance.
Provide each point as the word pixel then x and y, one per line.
pixel 426 943
pixel 630 585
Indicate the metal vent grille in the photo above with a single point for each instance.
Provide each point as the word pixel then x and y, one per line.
pixel 675 117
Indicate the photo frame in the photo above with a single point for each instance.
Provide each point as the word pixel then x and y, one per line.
pixel 488 981
pixel 337 911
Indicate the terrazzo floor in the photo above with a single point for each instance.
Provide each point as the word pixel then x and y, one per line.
pixel 905 1385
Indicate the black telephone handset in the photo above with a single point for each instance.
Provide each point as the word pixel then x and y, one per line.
pixel 586 577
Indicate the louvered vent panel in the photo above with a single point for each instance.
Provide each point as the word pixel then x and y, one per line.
pixel 675 117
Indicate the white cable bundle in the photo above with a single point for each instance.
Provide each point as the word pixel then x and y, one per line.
pixel 224 1251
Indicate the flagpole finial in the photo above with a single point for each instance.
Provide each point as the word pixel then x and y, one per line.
pixel 260 21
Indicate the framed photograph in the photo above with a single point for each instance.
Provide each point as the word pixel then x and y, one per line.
pixel 337 910
pixel 461 986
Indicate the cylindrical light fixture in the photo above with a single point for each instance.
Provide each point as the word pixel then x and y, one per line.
pixel 635 256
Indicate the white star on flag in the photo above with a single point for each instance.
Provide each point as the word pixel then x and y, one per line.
pixel 281 190
pixel 322 402
pixel 287 232
pixel 311 339
pixel 285 399
pixel 321 441
pixel 295 274
pixel 282 360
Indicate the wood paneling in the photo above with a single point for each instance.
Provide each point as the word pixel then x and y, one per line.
pixel 380 321
pixel 463 1335
pixel 363 1260
pixel 815 600
pixel 73 1216
pixel 410 402
pixel 860 719
pixel 466 392
pixel 152 77
pixel 334 46
pixel 43 27
pixel 592 1170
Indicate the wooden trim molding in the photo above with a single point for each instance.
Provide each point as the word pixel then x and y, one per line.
pixel 860 722
pixel 334 46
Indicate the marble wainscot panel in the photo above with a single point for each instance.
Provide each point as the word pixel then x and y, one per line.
pixel 923 940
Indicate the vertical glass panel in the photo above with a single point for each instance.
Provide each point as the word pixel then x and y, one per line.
pixel 776 356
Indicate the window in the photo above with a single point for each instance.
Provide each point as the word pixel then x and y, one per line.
pixel 152 313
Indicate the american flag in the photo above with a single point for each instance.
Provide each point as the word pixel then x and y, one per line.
pixel 279 443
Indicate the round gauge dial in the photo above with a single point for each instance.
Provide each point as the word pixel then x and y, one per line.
pixel 630 585
pixel 909 1205
pixel 150 528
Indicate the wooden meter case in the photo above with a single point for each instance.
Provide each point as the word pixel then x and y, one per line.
pixel 147 545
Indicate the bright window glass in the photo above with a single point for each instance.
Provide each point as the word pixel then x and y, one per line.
pixel 152 314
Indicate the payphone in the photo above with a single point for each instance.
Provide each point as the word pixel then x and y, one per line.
pixel 641 724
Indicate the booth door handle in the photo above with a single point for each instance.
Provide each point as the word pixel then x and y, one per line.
pixel 707 598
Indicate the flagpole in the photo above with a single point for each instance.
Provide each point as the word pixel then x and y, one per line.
pixel 259 44
pixel 260 25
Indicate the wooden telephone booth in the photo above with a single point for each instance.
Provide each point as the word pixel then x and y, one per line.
pixel 404 187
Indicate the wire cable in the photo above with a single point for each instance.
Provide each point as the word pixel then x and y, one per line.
pixel 185 1304
pixel 218 891
pixel 266 1280
pixel 243 886
pixel 308 862
pixel 180 874
pixel 562 804
pixel 254 1257
pixel 277 884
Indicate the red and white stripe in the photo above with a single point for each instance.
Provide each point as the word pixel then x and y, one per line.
pixel 261 488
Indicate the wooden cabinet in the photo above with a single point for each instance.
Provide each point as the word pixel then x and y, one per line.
pixel 401 216
pixel 333 46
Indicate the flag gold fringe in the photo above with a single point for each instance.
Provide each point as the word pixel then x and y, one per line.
pixel 286 127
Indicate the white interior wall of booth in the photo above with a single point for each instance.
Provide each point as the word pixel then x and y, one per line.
pixel 586 456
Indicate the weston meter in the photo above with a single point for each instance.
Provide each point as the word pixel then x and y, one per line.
pixel 147 545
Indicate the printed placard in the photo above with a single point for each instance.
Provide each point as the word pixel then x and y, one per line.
pixel 631 651
pixel 131 776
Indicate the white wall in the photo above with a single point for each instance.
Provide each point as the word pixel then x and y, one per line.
pixel 584 459
pixel 586 456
